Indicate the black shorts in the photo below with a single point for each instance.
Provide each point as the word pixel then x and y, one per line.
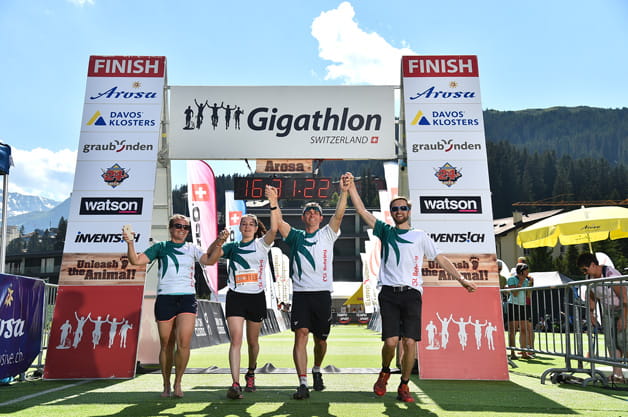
pixel 168 307
pixel 312 311
pixel 400 312
pixel 518 312
pixel 250 306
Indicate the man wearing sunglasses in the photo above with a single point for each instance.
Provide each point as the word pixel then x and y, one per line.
pixel 311 260
pixel 403 248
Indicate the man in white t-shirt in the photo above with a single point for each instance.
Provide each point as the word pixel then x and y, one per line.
pixel 311 270
pixel 403 248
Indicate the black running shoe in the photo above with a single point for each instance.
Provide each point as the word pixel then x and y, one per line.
pixel 302 393
pixel 235 392
pixel 318 381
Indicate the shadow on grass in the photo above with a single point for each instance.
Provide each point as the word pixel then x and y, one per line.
pixel 488 397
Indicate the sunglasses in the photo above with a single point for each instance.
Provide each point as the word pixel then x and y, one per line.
pixel 182 226
pixel 395 209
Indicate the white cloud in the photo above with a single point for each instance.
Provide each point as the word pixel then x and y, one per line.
pixel 81 3
pixel 42 172
pixel 359 57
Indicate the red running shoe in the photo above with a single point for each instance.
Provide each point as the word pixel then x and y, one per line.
pixel 250 383
pixel 380 385
pixel 403 394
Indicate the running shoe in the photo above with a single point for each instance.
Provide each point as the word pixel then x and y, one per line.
pixel 380 385
pixel 318 381
pixel 235 392
pixel 403 394
pixel 302 393
pixel 250 383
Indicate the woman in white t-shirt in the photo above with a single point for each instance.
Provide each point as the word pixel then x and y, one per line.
pixel 246 300
pixel 175 306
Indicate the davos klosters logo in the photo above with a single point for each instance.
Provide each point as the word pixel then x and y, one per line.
pixel 121 119
pixel 281 122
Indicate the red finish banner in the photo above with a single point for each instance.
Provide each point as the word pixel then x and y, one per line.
pixel 127 66
pixel 462 335
pixel 94 333
pixel 440 66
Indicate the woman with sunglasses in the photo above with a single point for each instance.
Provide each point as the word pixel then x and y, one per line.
pixel 246 300
pixel 175 307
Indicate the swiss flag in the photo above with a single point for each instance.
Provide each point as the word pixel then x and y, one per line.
pixel 200 192
pixel 234 218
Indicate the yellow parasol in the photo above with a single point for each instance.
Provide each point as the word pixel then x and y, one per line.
pixel 584 225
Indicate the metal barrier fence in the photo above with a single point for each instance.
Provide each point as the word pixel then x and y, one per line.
pixel 567 321
pixel 50 298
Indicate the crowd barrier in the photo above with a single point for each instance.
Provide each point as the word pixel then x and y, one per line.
pixel 561 320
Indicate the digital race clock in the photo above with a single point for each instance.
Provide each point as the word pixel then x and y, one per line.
pixel 252 188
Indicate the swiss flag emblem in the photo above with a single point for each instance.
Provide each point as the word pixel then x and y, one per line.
pixel 200 192
pixel 234 218
pixel 374 139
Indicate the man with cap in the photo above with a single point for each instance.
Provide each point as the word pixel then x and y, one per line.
pixel 311 259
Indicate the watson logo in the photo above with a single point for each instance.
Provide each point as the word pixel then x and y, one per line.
pixel 110 205
pixel 450 205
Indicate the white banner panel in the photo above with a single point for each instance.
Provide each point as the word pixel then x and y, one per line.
pixel 448 174
pixel 453 90
pixel 459 236
pixel 434 146
pixel 429 117
pixel 351 122
pixel 127 206
pixel 113 175
pixel 124 90
pixel 104 237
pixel 428 205
pixel 121 118
pixel 116 145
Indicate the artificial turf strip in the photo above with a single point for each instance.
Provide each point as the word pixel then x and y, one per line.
pixel 346 395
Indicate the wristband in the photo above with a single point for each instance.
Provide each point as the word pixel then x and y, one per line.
pixel 274 208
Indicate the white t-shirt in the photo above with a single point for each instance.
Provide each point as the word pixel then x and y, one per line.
pixel 176 266
pixel 311 259
pixel 402 255
pixel 247 265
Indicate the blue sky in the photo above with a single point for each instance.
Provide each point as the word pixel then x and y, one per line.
pixel 532 54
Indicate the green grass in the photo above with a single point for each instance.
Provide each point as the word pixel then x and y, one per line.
pixel 347 395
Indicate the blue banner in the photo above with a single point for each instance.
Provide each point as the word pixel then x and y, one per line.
pixel 21 311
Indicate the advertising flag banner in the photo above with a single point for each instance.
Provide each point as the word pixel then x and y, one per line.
pixel 202 204
pixel 449 187
pixel 92 336
pixel 234 210
pixel 21 315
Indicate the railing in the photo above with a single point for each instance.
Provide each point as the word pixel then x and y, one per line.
pixel 565 321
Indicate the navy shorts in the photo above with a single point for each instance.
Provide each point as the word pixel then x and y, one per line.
pixel 168 306
pixel 312 311
pixel 250 306
pixel 400 310
pixel 518 312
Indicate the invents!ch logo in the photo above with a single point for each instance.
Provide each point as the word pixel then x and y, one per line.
pixel 114 175
pixel 448 174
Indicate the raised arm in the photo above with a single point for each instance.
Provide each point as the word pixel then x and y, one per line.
pixel 341 206
pixel 134 257
pixel 366 216
pixel 451 269
pixel 275 216
pixel 214 252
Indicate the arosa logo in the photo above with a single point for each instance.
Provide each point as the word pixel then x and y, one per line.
pixel 467 237
pixel 450 205
pixel 111 205
pixel 281 123
pixel 432 93
pixel 115 93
